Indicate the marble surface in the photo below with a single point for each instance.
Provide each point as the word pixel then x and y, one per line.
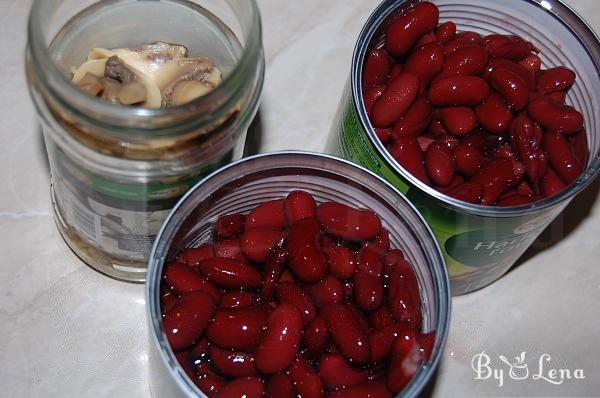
pixel 69 331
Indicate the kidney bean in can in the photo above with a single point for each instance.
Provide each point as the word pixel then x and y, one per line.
pixel 480 243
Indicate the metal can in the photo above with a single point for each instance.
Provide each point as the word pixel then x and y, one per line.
pixel 241 186
pixel 479 243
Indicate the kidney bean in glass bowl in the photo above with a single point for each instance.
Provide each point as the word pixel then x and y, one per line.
pixel 295 274
pixel 480 117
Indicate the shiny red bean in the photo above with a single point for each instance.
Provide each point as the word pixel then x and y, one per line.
pixel 397 98
pixel 470 36
pixel 525 136
pixel 316 336
pixel 518 69
pixel 182 279
pixel 558 96
pixel 194 255
pixel 440 164
pixel 468 159
pixel 275 262
pixel 229 226
pixel 496 178
pixel 327 290
pixel 511 87
pixel 454 45
pixel 552 184
pixel 372 389
pixel 514 200
pixel 383 317
pixel 426 63
pixel 395 70
pixel 384 135
pixel 406 150
pixel 347 222
pixel 426 39
pixel 494 114
pixel 280 386
pixel 291 293
pixel 532 62
pixel 257 242
pixel 468 192
pixel 368 291
pixel 245 387
pixel 230 274
pixel 403 294
pixel 299 205
pixel 377 67
pixel 210 384
pixel 465 61
pixel 446 32
pixel 347 332
pixel 561 157
pixel 458 91
pixel 337 373
pixel 555 79
pixel 401 371
pixel 307 262
pixel 168 299
pixel 554 116
pixel 458 121
pixel 281 342
pixel 404 32
pixel 237 329
pixel 370 259
pixel 415 120
pixel 233 363
pixel 382 340
pixel 580 147
pixel 307 381
pixel 372 95
pixel 188 319
pixel 229 248
pixel 341 262
pixel 269 214
pixel 508 47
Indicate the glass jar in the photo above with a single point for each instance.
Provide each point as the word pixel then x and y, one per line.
pixel 243 185
pixel 116 170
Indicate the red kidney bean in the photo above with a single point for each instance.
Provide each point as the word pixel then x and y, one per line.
pixel 246 387
pixel 183 358
pixel 327 290
pixel 370 259
pixel 511 87
pixel 384 135
pixel 465 61
pixel 337 373
pixel 401 372
pixel 525 137
pixel 347 332
pixel 381 342
pixel 468 159
pixel 404 32
pixel 383 317
pixel 194 255
pixel 281 342
pixel 391 259
pixel 372 389
pixel 229 248
pixel 238 299
pixel 280 386
pixel 454 45
pixel 397 98
pixel 446 32
pixel 493 114
pixel 440 165
pixel 230 274
pixel 348 223
pixel 199 354
pixel 229 226
pixel 458 91
pixel 554 116
pixel 403 294
pixel 561 157
pixel 372 95
pixel 368 291
pixel 316 336
pixel 188 319
pixel 395 70
pixel 518 69
pixel 306 260
pixel 459 120
pixel 288 292
pixel 183 279
pixel 552 184
pixel 514 200
pixel 168 299
pixel 558 96
pixel 415 120
pixel 555 79
pixel 377 67
pixel 532 62
pixel 299 205
pixel 269 214
pixel 468 192
pixel 341 261
pixel 237 329
pixel 407 152
pixel 210 384
pixel 508 47
pixel 426 63
pixel 580 147
pixel 257 242
pixel 382 240
pixel 470 36
pixel 426 39
pixel 273 270
pixel 233 363
pixel 308 383
pixel 348 288
pixel 497 177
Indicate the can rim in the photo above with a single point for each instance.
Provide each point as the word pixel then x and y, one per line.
pixel 440 278
pixel 564 15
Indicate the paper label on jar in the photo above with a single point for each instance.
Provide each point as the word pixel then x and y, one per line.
pixel 478 250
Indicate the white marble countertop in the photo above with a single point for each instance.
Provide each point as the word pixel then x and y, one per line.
pixel 66 330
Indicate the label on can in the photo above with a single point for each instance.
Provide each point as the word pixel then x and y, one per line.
pixel 478 250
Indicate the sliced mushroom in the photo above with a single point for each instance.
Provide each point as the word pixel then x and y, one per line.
pixel 162 52
pixel 91 84
pixel 95 67
pixel 132 93
pixel 111 90
pixel 117 69
pixel 188 90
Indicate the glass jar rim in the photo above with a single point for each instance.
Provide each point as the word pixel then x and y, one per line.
pixel 56 81
pixel 578 27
